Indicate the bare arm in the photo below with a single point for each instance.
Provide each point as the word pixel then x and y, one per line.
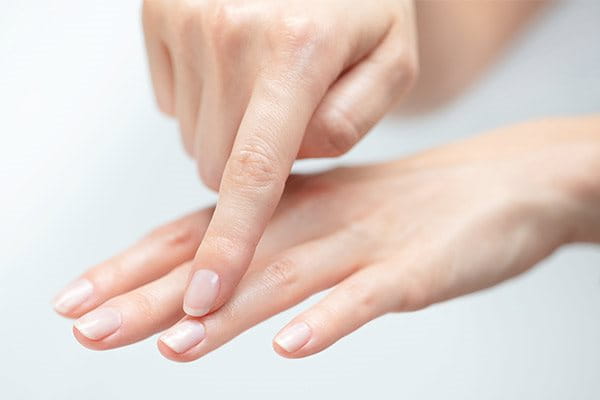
pixel 458 40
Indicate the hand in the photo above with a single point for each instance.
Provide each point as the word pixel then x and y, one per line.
pixel 255 84
pixel 391 238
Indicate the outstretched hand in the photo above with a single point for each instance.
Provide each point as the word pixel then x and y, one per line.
pixel 391 237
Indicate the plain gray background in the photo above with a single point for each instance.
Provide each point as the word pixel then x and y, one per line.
pixel 87 165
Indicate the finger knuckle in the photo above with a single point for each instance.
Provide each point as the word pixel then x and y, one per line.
pixel 281 274
pixel 254 166
pixel 186 20
pixel 210 176
pixel 299 33
pixel 165 105
pixel 187 126
pixel 145 304
pixel 364 298
pixel 405 69
pixel 226 249
pixel 226 26
pixel 414 295
pixel 300 48
pixel 340 132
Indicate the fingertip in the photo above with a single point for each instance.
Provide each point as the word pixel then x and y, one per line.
pixel 302 353
pixel 280 351
pixel 95 328
pixel 292 339
pixel 79 311
pixel 86 342
pixel 201 293
pixel 181 343
pixel 209 175
pixel 195 312
pixel 69 301
pixel 166 107
pixel 68 315
pixel 170 354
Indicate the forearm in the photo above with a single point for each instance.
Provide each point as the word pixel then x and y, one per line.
pixel 458 40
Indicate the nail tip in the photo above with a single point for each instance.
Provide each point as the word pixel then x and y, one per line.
pixel 183 337
pixel 72 296
pixel 165 341
pixel 80 327
pixel 61 306
pixel 285 346
pixel 98 324
pixel 294 337
pixel 57 307
pixel 194 312
pixel 77 325
pixel 280 345
pixel 202 293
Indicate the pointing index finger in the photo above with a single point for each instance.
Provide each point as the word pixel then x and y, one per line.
pixel 266 146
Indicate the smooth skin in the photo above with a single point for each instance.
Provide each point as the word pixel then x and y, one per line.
pixel 255 85
pixel 417 231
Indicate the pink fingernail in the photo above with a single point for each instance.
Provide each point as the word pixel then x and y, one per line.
pixel 202 293
pixel 184 336
pixel 99 323
pixel 294 337
pixel 73 296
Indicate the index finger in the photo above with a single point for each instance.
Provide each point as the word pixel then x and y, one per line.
pixel 266 146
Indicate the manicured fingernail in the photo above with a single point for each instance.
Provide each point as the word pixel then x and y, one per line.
pixel 201 293
pixel 99 323
pixel 184 336
pixel 294 337
pixel 73 296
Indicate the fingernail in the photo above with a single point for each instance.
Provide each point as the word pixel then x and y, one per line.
pixel 99 323
pixel 201 293
pixel 184 336
pixel 294 337
pixel 73 296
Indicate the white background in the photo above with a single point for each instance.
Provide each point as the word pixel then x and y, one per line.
pixel 87 165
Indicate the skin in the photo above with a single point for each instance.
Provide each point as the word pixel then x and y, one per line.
pixel 458 40
pixel 255 85
pixel 318 74
pixel 418 231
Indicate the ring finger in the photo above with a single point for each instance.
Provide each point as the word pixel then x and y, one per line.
pixel 289 278
pixel 283 282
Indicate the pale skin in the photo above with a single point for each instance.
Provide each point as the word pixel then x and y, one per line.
pixel 417 231
pixel 257 84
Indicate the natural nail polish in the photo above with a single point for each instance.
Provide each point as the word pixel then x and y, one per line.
pixel 73 296
pixel 201 293
pixel 99 323
pixel 184 336
pixel 294 337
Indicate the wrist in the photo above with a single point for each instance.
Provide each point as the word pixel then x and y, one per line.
pixel 567 165
pixel 580 187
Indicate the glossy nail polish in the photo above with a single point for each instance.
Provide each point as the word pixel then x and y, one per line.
pixel 73 296
pixel 99 323
pixel 294 337
pixel 201 293
pixel 184 336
